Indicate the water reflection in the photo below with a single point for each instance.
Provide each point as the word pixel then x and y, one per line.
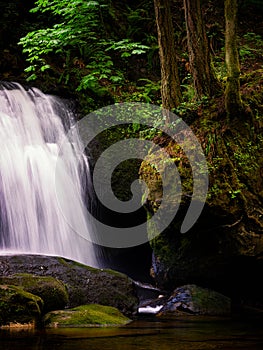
pixel 181 334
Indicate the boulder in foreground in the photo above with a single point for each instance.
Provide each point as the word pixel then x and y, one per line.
pixel 86 316
pixel 18 307
pixel 52 291
pixel 194 300
pixel 84 284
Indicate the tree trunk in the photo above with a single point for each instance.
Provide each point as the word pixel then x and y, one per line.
pixel 233 101
pixel 205 82
pixel 170 83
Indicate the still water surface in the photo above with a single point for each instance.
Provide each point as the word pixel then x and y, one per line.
pixel 180 334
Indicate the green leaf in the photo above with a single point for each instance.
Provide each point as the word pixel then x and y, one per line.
pixel 137 52
pixel 32 77
pixel 45 67
pixel 125 54
pixel 116 79
pixel 30 69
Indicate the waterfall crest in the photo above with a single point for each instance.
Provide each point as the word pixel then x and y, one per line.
pixel 33 127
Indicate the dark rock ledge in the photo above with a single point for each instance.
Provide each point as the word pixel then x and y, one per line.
pixel 84 284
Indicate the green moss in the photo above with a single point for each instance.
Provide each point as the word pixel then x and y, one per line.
pixel 51 290
pixel 86 315
pixel 18 306
pixel 233 208
pixel 94 270
pixel 71 263
pixel 209 302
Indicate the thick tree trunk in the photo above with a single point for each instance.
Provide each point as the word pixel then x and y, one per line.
pixel 233 101
pixel 170 84
pixel 205 82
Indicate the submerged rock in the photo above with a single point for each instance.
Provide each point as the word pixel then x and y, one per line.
pixel 18 307
pixel 85 285
pixel 52 291
pixel 86 316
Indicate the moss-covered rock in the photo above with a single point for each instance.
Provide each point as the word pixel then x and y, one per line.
pixel 52 291
pixel 85 285
pixel 191 299
pixel 223 250
pixel 18 306
pixel 86 316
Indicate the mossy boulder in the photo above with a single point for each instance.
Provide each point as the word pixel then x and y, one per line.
pixel 52 291
pixel 194 300
pixel 85 284
pixel 18 306
pixel 86 316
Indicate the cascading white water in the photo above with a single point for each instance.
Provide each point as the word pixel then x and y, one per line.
pixel 33 127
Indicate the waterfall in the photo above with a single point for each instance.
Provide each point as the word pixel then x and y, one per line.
pixel 33 127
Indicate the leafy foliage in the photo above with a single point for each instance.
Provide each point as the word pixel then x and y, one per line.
pixel 252 46
pixel 79 46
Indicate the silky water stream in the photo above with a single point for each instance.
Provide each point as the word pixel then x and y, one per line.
pixel 34 169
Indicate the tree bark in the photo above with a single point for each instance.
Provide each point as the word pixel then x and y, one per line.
pixel 205 82
pixel 233 103
pixel 170 83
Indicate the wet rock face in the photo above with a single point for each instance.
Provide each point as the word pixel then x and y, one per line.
pixel 84 284
pixel 197 258
pixel 223 250
pixel 213 254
